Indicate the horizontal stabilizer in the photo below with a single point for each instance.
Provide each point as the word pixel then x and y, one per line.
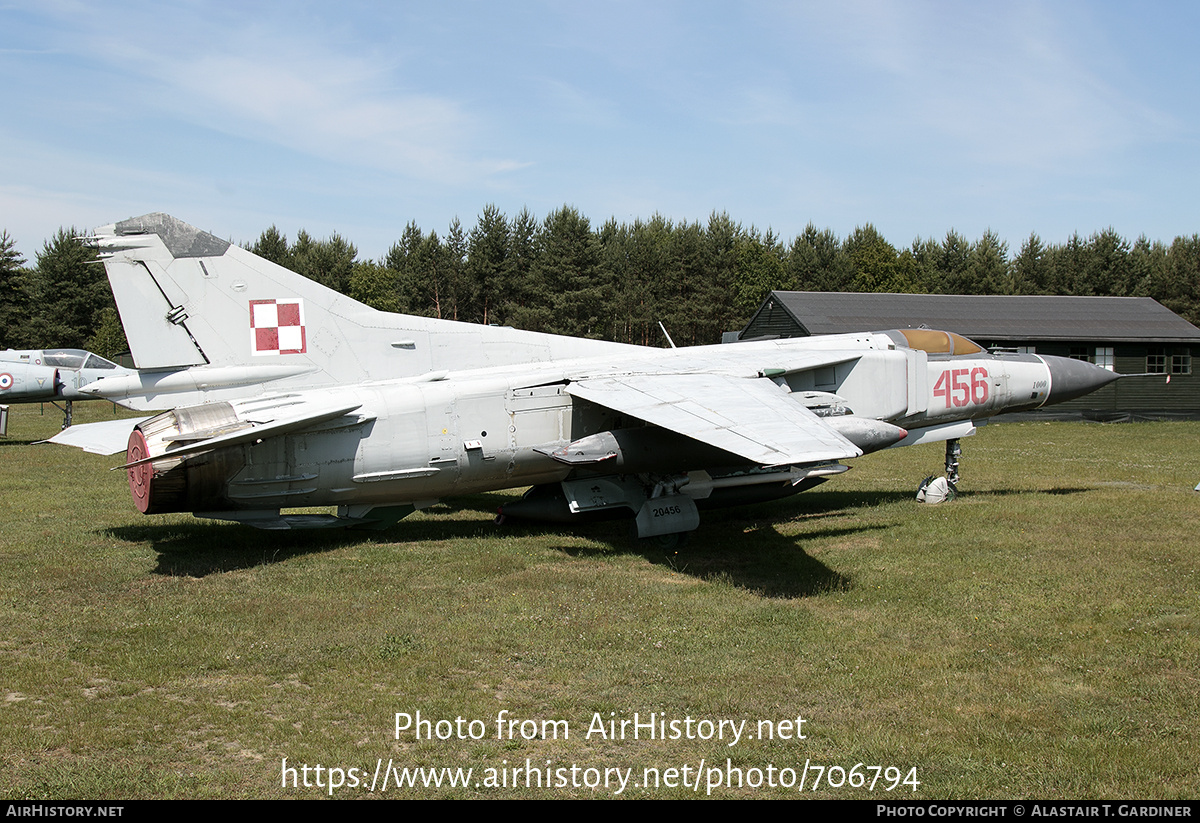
pixel 109 437
pixel 752 418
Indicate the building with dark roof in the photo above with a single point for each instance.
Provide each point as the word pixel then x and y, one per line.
pixel 1131 335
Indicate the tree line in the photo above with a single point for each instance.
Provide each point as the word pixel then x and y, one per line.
pixel 62 302
pixel 616 281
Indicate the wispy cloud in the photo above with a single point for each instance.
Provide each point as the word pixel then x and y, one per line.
pixel 917 116
pixel 291 87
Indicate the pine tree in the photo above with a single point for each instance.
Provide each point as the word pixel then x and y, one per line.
pixel 987 267
pixel 329 262
pixel 816 261
pixel 402 259
pixel 428 278
pixel 875 265
pixel 487 266
pixel 711 295
pixel 70 291
pixel 1031 268
pixel 109 338
pixel 14 295
pixel 1108 270
pixel 1178 285
pixel 460 289
pixel 273 245
pixel 677 305
pixel 760 270
pixel 953 265
pixel 568 275
pixel 522 253
pixel 375 285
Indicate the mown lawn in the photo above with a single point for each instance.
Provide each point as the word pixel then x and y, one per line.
pixel 1035 638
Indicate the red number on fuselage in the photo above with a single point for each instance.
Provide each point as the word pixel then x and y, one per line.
pixel 955 387
pixel 942 387
pixel 979 385
pixel 957 391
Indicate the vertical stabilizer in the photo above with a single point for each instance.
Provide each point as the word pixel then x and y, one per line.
pixel 188 298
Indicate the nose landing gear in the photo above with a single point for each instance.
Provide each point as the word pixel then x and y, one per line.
pixel 945 488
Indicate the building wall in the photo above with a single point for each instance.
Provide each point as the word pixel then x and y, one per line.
pixel 1182 394
pixel 773 319
pixel 1140 394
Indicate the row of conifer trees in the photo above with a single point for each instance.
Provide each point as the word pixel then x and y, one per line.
pixel 616 281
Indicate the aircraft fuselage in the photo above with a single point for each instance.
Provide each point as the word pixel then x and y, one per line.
pixel 413 442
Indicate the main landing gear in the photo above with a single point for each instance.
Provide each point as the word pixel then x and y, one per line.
pixel 67 412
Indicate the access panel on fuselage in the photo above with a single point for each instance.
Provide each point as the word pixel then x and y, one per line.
pixel 874 385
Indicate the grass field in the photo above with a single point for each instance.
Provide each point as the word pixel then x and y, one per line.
pixel 1036 638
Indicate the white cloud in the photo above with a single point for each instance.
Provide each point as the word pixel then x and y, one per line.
pixel 262 80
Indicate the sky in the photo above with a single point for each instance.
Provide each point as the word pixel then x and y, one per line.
pixel 359 117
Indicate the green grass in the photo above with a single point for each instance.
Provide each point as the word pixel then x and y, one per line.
pixel 1035 638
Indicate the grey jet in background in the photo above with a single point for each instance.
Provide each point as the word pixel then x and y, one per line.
pixel 52 376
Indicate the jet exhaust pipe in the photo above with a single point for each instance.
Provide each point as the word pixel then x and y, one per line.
pixel 177 484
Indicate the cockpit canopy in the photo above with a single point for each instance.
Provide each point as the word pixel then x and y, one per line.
pixel 75 359
pixel 939 342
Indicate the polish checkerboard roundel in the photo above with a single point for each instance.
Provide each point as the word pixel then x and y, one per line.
pixel 277 327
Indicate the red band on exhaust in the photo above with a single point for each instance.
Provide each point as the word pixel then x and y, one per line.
pixel 139 476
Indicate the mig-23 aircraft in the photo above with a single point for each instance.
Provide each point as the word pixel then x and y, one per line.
pixel 297 396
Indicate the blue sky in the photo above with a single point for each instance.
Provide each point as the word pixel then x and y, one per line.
pixel 358 117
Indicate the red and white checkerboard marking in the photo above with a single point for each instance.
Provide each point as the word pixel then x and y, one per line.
pixel 277 327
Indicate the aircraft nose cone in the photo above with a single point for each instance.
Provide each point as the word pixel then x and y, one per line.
pixel 1074 378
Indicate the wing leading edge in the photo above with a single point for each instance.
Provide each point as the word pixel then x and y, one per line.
pixel 751 417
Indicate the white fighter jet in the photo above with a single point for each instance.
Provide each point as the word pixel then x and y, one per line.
pixel 292 395
pixel 52 376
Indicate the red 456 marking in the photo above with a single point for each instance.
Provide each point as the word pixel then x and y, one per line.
pixel 963 386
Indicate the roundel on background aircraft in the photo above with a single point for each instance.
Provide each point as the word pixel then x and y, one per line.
pixel 24 381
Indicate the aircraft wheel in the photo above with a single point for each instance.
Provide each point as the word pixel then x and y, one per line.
pixel 668 542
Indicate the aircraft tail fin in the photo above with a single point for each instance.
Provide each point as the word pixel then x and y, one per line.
pixel 188 298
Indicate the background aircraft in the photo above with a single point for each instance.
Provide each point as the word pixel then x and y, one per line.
pixel 52 375
pixel 302 397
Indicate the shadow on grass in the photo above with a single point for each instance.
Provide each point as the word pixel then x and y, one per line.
pixel 1006 492
pixel 8 441
pixel 202 548
pixel 741 545
pixel 755 557
pixel 760 560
